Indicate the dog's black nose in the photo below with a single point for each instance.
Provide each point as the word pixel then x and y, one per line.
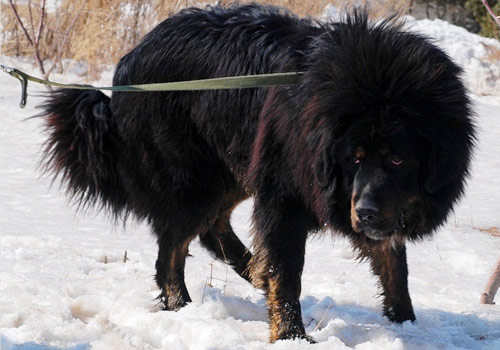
pixel 367 212
pixel 367 216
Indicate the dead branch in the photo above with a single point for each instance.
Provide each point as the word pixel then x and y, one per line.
pixel 42 22
pixel 20 22
pixel 32 27
pixel 32 39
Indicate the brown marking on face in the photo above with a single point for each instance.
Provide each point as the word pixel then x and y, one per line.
pixel 354 215
pixel 360 153
pixel 413 199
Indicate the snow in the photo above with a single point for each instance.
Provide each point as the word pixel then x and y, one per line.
pixel 64 285
pixel 482 76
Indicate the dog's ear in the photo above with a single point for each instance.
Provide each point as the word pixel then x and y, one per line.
pixel 449 157
pixel 324 169
pixel 440 170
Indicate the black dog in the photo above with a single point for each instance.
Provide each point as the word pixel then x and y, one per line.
pixel 374 143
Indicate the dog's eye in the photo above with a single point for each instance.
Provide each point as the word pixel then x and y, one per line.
pixel 396 161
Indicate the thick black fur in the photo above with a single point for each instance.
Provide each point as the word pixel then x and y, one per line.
pixel 312 155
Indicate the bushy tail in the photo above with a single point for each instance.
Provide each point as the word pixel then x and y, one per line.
pixel 82 147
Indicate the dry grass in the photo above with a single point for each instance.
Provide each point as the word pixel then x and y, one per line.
pixel 378 8
pixel 301 7
pixel 104 30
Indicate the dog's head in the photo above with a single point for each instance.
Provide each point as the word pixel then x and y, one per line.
pixel 394 175
pixel 396 130
pixel 380 167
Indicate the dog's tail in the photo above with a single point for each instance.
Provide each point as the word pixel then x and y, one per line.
pixel 82 147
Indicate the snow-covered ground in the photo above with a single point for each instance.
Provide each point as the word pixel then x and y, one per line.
pixel 64 285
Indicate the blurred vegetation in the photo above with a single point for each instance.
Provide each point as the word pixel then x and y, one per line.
pixel 488 26
pixel 470 14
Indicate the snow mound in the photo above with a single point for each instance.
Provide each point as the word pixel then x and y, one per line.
pixel 470 51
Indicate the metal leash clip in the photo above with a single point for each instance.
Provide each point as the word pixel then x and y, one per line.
pixel 22 79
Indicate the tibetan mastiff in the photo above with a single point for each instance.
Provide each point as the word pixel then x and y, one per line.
pixel 374 143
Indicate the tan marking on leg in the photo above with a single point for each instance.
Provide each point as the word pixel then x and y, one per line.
pixel 275 318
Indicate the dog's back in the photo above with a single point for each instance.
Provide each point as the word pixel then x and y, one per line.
pixel 196 44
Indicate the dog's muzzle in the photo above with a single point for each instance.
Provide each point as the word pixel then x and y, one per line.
pixel 367 219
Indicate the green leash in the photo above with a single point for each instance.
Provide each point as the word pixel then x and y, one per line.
pixel 238 82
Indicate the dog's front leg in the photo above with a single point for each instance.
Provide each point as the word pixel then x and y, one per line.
pixel 388 261
pixel 276 267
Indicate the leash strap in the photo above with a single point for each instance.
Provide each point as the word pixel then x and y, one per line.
pixel 237 82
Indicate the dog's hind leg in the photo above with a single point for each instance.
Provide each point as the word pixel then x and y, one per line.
pixel 170 271
pixel 205 215
pixel 221 241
